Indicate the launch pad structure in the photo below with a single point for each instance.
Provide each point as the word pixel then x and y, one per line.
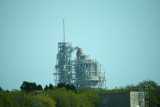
pixel 82 72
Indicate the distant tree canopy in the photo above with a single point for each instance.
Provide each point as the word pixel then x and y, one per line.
pixel 66 95
pixel 17 98
pixel 67 86
pixel 49 87
pixel 61 85
pixel 30 86
pixel 153 91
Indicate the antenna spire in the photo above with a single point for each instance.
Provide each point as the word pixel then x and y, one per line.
pixel 64 33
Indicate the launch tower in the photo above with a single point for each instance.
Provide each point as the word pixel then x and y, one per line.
pixel 82 72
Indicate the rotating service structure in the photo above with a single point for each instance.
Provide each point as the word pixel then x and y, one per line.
pixel 88 73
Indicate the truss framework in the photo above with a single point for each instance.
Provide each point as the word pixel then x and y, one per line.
pixel 82 72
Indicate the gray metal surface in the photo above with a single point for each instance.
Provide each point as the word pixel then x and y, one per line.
pixel 122 99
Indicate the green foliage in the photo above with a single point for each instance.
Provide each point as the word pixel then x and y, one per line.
pixel 46 87
pixel 90 96
pixel 6 99
pixel 29 87
pixel 49 87
pixel 21 99
pixel 67 86
pixel 65 95
pixel 153 91
pixel 39 87
pixel 86 97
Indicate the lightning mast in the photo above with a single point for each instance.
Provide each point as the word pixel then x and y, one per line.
pixel 64 33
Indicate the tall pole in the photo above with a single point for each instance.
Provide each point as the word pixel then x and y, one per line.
pixel 64 34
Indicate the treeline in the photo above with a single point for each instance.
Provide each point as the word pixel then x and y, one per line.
pixel 62 95
pixel 31 86
pixel 66 95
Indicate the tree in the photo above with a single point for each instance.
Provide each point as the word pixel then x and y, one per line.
pixel 153 90
pixel 6 99
pixel 46 87
pixel 66 98
pixel 60 85
pixel 70 87
pixel 28 87
pixel 67 86
pixel 51 86
pixel 90 95
pixel 39 87
pixel 0 89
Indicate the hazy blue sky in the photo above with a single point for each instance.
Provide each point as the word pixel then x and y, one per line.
pixel 124 35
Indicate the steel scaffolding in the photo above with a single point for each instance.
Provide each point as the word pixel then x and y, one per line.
pixel 82 72
pixel 88 73
pixel 64 64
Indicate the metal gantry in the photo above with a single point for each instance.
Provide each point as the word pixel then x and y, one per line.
pixel 88 73
pixel 64 63
pixel 82 72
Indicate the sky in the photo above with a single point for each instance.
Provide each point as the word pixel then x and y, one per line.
pixel 123 35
